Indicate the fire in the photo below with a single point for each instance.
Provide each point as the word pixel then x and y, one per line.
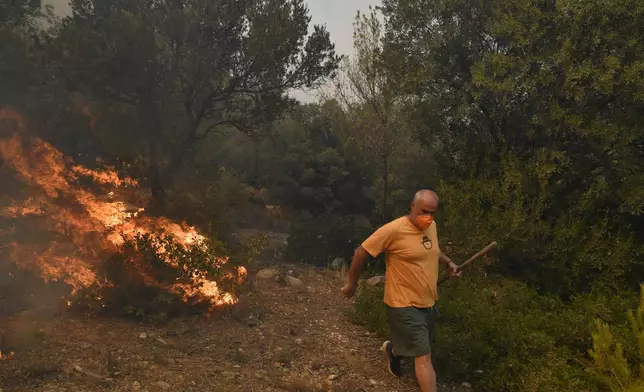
pixel 9 356
pixel 28 207
pixel 94 222
pixel 3 355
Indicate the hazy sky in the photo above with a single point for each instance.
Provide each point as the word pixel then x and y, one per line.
pixel 337 15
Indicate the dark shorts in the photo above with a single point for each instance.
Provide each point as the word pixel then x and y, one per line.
pixel 412 330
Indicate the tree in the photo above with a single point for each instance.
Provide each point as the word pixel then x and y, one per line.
pixel 188 67
pixel 369 92
pixel 534 112
pixel 20 39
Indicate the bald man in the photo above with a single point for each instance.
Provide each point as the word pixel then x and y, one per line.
pixel 412 256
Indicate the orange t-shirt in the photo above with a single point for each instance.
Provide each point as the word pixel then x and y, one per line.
pixel 411 262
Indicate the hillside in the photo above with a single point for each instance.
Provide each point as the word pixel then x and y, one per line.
pixel 285 335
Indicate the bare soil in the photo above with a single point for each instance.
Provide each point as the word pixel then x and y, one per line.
pixel 278 338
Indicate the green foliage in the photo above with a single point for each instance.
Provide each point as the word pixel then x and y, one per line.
pixel 209 199
pixel 502 336
pixel 613 367
pixel 21 52
pixel 188 68
pixel 374 104
pixel 369 309
pixel 320 239
pixel 19 13
pixel 529 113
pixel 562 254
pixel 536 122
pixel 314 167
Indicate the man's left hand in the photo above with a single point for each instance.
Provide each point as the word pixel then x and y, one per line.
pixel 453 270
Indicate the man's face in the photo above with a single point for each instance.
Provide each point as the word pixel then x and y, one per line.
pixel 426 205
pixel 423 210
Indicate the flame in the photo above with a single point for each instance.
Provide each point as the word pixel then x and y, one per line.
pixel 95 223
pixel 11 355
pixel 30 206
pixel 3 356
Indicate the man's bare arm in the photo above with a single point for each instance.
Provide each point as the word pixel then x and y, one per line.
pixel 444 258
pixel 360 257
pixel 452 267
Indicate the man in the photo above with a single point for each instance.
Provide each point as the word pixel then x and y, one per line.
pixel 413 254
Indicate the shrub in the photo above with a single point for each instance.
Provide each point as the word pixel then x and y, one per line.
pixel 503 336
pixel 154 277
pixel 612 366
pixel 319 239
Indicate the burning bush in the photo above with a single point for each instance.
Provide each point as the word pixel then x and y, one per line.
pixel 155 276
pixel 65 222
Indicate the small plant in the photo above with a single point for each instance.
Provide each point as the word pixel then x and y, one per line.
pixel 612 367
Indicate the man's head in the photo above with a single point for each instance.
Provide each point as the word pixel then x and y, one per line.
pixel 423 207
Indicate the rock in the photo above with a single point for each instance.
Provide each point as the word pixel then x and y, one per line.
pixel 332 377
pixel 467 385
pixel 136 387
pixel 310 289
pixel 164 386
pixel 85 345
pixel 267 274
pixel 298 341
pixel 373 382
pixel 294 282
pixel 143 335
pixel 338 263
pixel 376 280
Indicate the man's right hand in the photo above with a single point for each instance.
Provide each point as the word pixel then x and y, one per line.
pixel 357 265
pixel 349 290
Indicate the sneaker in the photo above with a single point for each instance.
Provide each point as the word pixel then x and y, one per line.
pixel 395 365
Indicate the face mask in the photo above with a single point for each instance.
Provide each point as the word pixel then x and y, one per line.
pixel 424 221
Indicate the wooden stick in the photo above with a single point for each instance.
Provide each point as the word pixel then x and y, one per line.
pixel 470 260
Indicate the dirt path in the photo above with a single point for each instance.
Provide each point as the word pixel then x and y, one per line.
pixel 279 338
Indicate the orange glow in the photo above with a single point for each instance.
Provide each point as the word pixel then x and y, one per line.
pixel 95 223
pixel 9 356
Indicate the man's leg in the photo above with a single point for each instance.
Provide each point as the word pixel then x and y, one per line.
pixel 409 336
pixel 425 374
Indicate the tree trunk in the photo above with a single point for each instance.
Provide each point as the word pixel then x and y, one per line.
pixel 157 188
pixel 385 186
pixel 256 175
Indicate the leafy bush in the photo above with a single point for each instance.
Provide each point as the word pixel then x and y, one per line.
pixel 154 277
pixel 562 253
pixel 319 239
pixel 503 336
pixel 613 366
pixel 212 200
